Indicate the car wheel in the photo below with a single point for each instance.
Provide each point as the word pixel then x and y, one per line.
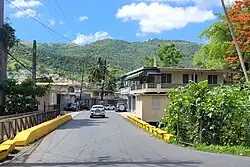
pixel 103 116
pixel 90 116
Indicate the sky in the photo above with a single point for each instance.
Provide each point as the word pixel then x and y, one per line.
pixel 85 21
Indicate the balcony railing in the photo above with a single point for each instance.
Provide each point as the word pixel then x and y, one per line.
pixel 153 87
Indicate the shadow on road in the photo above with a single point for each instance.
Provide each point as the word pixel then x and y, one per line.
pixel 78 123
pixel 106 161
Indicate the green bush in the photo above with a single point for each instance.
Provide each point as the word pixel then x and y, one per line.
pixel 198 114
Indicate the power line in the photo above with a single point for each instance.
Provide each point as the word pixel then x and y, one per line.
pixel 61 11
pixel 39 22
pixel 22 64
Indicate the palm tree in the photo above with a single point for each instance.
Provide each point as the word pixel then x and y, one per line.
pixel 97 71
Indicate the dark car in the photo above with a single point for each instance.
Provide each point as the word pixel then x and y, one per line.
pixel 84 106
pixel 71 107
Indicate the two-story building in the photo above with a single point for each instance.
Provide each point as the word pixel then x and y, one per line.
pixel 146 88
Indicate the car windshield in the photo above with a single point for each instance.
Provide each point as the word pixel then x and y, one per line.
pixel 100 107
pixel 73 104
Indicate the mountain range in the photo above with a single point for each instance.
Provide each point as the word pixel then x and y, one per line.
pixel 68 60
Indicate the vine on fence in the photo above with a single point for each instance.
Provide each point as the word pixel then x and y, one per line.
pixel 198 114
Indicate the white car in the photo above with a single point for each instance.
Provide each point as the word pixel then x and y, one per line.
pixel 109 107
pixel 97 110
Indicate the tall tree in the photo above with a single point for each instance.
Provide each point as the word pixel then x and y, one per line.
pixel 213 54
pixel 240 18
pixel 96 71
pixel 169 55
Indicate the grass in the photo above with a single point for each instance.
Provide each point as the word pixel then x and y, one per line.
pixel 234 150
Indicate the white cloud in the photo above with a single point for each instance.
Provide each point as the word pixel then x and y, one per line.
pixel 25 3
pixel 155 17
pixel 52 22
pixel 30 12
pixel 198 3
pixel 84 39
pixel 83 18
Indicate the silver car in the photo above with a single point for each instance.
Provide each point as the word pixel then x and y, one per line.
pixel 97 110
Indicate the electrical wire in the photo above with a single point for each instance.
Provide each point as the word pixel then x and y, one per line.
pixel 61 11
pixel 67 39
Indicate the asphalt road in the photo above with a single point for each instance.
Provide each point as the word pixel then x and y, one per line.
pixel 114 141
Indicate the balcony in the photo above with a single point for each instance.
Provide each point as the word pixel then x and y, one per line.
pixel 153 87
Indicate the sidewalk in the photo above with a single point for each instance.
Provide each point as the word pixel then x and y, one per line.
pixel 125 114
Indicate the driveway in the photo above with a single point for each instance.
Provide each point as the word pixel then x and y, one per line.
pixel 114 141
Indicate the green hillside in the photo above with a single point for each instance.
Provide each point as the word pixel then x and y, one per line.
pixel 67 59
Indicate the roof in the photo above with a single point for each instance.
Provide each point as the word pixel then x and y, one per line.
pixel 58 84
pixel 138 70
pixel 192 69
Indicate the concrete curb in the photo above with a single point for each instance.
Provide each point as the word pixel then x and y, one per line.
pixel 32 134
pixel 159 133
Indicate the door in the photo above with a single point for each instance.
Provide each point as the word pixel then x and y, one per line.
pixel 58 100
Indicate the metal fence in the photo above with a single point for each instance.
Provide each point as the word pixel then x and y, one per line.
pixel 12 124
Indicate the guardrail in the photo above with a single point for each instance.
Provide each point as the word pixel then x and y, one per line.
pixel 13 124
pixel 159 133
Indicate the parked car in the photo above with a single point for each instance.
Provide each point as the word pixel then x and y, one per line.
pixel 121 107
pixel 71 107
pixel 97 110
pixel 109 107
pixel 84 106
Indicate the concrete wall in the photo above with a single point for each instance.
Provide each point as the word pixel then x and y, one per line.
pixel 150 108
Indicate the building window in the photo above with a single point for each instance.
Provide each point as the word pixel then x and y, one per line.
pixel 169 78
pixel 164 78
pixel 156 103
pixel 195 79
pixel 212 79
pixel 185 78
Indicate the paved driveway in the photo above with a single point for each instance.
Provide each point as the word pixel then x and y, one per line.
pixel 114 141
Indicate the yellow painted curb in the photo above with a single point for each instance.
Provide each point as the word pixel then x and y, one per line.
pixel 4 151
pixel 32 134
pixel 159 133
pixel 11 143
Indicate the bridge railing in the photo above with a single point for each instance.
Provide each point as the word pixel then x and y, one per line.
pixel 12 124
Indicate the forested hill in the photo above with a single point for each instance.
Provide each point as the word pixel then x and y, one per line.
pixel 67 58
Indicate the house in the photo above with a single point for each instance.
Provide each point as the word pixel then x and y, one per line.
pixel 146 88
pixel 58 95
pixel 62 93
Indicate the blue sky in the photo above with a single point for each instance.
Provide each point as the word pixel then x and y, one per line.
pixel 86 21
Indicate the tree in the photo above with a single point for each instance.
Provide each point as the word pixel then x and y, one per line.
pixel 97 71
pixel 111 78
pixel 166 56
pixel 169 55
pixel 149 61
pixel 214 53
pixel 239 15
pixel 19 96
pixel 9 36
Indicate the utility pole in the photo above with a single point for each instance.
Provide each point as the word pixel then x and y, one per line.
pixel 104 74
pixel 234 39
pixel 82 71
pixel 2 60
pixel 34 50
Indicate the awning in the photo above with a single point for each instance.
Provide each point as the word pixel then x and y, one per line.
pixel 154 73
pixel 133 75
